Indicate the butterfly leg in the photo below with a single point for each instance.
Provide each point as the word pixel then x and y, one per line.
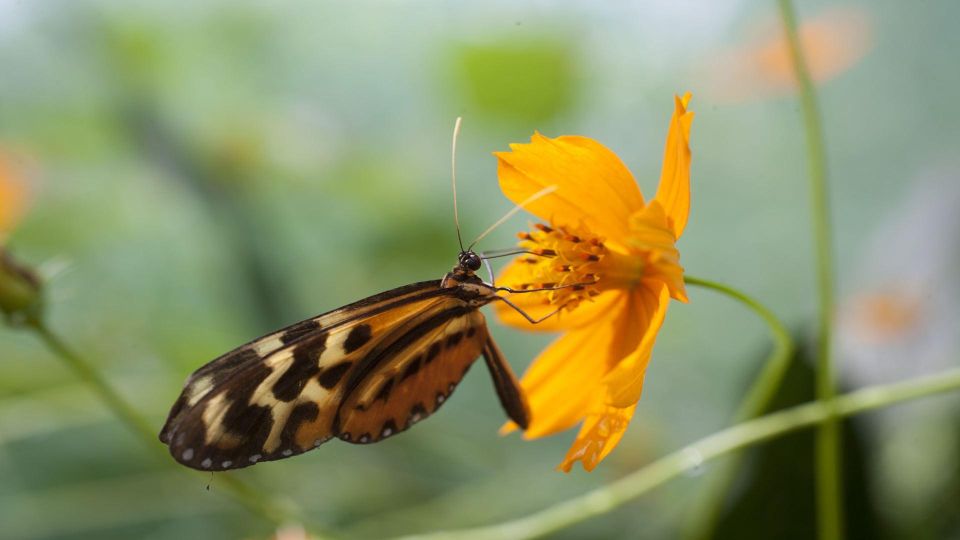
pixel 527 315
pixel 506 384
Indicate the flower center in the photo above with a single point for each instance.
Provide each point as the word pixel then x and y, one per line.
pixel 574 262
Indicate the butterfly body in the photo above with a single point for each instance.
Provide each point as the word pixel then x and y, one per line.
pixel 361 373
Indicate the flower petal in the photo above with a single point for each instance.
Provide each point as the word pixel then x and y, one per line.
pixel 674 189
pixel 593 186
pixel 599 435
pixel 565 382
pixel 625 381
pixel 651 235
pixel 537 305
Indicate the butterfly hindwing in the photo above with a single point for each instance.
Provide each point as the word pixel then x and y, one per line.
pixel 411 377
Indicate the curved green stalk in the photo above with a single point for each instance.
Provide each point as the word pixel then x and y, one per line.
pixel 766 384
pixel 707 506
pixel 241 492
pixel 607 498
pixel 829 488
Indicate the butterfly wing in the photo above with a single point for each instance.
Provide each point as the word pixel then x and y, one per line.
pixel 250 355
pixel 362 372
pixel 262 400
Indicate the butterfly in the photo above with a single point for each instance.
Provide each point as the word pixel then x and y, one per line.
pixel 360 373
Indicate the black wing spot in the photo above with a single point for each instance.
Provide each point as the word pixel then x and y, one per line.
pixel 253 423
pixel 301 414
pixel 412 369
pixel 433 352
pixel 305 365
pixel 471 331
pixel 358 337
pixel 454 339
pixel 331 376
pixel 298 330
pixel 241 417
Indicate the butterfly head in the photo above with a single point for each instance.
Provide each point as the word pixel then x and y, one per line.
pixel 470 261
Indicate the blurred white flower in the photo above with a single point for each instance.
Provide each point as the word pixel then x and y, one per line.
pixel 901 319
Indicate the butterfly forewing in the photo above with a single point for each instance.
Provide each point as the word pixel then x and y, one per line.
pixel 245 359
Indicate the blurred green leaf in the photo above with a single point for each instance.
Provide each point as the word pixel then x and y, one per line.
pixel 520 80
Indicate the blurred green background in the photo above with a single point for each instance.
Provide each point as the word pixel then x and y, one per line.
pixel 206 172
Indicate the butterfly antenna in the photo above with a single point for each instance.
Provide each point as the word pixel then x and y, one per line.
pixel 545 191
pixel 453 177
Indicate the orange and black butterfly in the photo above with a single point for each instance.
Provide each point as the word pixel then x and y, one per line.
pixel 361 373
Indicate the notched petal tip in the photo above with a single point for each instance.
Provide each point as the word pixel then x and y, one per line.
pixel 600 434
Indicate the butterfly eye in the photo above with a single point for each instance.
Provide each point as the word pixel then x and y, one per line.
pixel 470 260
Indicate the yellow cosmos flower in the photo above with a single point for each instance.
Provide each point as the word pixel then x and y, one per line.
pixel 617 252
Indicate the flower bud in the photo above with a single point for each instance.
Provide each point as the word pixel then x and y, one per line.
pixel 20 290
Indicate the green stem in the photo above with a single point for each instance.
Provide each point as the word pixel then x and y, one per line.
pixel 92 378
pixel 241 492
pixel 707 507
pixel 607 498
pixel 766 384
pixel 829 488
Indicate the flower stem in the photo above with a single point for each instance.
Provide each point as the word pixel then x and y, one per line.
pixel 604 499
pixel 706 508
pixel 766 384
pixel 240 491
pixel 829 488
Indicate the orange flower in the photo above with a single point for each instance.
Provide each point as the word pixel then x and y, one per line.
pixel 833 42
pixel 13 195
pixel 618 254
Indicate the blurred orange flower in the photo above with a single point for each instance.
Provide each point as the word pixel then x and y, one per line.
pixel 618 254
pixel 833 42
pixel 13 194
